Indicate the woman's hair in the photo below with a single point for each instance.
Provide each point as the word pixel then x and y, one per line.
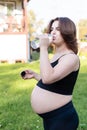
pixel 68 32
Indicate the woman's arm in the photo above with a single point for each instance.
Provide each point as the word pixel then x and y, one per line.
pixel 66 65
pixel 29 74
pixel 45 68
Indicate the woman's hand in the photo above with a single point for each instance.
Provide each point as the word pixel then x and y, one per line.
pixel 45 41
pixel 29 74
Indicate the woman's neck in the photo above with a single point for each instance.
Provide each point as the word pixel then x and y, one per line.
pixel 61 49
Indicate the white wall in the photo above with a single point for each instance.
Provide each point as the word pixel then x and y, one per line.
pixel 13 47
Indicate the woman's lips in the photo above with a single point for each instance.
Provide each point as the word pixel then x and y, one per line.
pixel 54 38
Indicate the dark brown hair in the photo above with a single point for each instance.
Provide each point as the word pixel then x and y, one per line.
pixel 68 32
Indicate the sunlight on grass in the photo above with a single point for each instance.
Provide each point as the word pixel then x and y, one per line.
pixel 83 64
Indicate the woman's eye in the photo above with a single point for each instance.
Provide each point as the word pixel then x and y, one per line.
pixel 58 29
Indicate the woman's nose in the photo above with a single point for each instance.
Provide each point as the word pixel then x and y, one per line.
pixel 54 31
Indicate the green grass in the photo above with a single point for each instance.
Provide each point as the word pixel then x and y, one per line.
pixel 80 95
pixel 15 108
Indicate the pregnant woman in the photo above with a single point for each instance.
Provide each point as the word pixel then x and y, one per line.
pixel 51 98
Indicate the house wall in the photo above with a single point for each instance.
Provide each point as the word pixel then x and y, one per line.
pixel 13 48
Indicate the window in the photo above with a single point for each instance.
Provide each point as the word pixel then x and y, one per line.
pixel 9 20
pixel 7 7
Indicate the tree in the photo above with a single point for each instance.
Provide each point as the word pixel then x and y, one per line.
pixel 82 25
pixel 34 25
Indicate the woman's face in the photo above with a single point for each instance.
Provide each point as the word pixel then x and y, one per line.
pixel 55 32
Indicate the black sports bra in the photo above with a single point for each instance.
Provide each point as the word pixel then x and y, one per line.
pixel 64 86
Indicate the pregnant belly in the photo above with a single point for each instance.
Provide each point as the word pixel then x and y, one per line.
pixel 43 101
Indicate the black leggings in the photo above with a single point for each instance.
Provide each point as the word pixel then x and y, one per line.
pixel 64 118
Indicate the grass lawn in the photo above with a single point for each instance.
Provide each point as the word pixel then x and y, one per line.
pixel 15 109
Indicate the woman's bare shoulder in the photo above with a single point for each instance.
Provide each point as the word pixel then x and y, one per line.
pixel 71 59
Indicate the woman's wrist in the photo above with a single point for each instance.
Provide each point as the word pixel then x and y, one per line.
pixel 36 76
pixel 43 48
